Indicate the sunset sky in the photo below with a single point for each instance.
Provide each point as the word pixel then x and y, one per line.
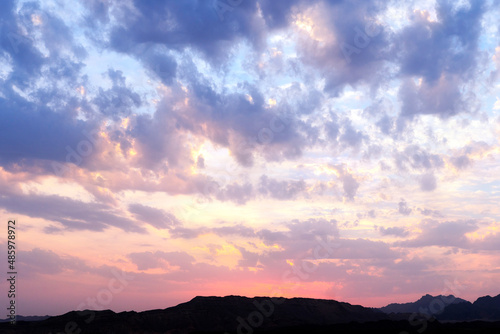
pixel 153 151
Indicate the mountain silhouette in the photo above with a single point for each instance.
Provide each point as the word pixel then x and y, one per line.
pixel 436 303
pixel 28 318
pixel 235 314
pixel 484 308
pixel 216 314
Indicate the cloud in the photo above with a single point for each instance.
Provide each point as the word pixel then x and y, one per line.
pixel 238 230
pixel 248 259
pixel 350 186
pixel 29 133
pixel 282 190
pixel 170 24
pixel 461 162
pixel 429 212
pixel 395 231
pixel 453 50
pixel 415 158
pixel 450 62
pixel 350 47
pixel 150 260
pixel 237 193
pixel 159 61
pixel 73 215
pixel 234 230
pixel 277 14
pixel 363 249
pixel 39 261
pixel 386 124
pixel 119 100
pixel 496 106
pixel 428 182
pixel 351 137
pixel 490 242
pixel 443 98
pixel 187 233
pixel 154 217
pixel 403 208
pixel 445 234
pixel 159 138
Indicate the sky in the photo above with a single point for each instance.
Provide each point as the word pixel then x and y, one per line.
pixel 153 151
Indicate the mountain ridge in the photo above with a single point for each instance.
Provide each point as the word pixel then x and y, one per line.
pixel 216 314
pixel 239 314
pixel 484 308
pixel 421 304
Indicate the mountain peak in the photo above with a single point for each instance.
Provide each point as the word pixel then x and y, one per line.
pixel 484 308
pixel 421 305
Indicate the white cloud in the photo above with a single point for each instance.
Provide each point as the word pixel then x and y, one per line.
pixel 496 106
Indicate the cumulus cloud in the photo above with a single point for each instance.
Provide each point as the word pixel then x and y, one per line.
pixel 428 182
pixel 119 100
pixel 461 162
pixel 71 215
pixel 152 216
pixel 283 190
pixel 351 137
pixel 415 158
pixel 168 23
pixel 236 193
pixel 350 184
pixel 444 234
pixel 403 208
pixel 40 261
pixel 451 62
pixel 430 212
pixel 395 231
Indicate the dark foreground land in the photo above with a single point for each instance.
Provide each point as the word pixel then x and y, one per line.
pixel 383 326
pixel 234 314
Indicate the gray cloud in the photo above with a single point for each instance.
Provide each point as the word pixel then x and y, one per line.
pixel 403 208
pixel 429 212
pixel 350 186
pixel 415 158
pixel 149 260
pixel 350 136
pixel 39 261
pixel 450 62
pixel 461 162
pixel 282 190
pixel 395 231
pixel 154 217
pixel 237 193
pixel 180 25
pixel 445 234
pixel 428 182
pixel 119 100
pixel 72 214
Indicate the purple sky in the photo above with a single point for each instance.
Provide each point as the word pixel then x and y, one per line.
pixel 152 151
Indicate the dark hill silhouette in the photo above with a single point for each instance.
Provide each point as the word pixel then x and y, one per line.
pixel 484 308
pixel 421 304
pixel 234 314
pixel 28 318
pixel 211 314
